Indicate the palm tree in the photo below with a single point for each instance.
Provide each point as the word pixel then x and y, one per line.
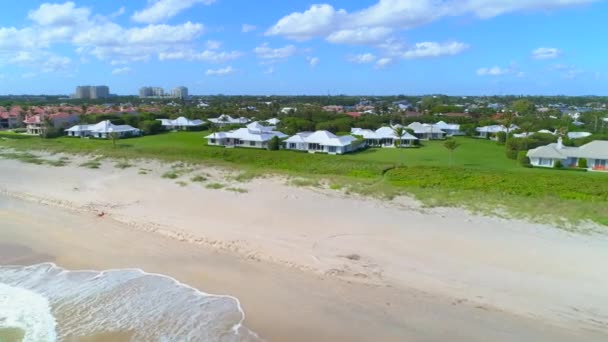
pixel 451 145
pixel 398 132
pixel 507 120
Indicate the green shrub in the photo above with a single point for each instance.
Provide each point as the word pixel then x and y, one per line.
pixel 582 163
pixel 274 144
pixel 557 164
pixel 512 154
pixel 501 138
pixel 150 127
pixel 170 175
pixel 523 159
pixel 215 186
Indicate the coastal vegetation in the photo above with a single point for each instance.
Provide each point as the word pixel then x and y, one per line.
pixel 479 177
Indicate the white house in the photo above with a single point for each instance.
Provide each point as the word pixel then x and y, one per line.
pixel 255 135
pixel 322 141
pixel 180 123
pixel 490 131
pixel 224 120
pixel 578 135
pixel 426 131
pixel 273 121
pixel 287 110
pixel 595 152
pixel 449 129
pixel 102 130
pixel 384 137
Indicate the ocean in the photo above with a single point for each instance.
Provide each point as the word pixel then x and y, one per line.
pixel 46 303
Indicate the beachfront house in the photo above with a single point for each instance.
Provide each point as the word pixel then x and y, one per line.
pixel 323 141
pixel 449 129
pixel 181 123
pixel 255 135
pixel 426 131
pixel 595 153
pixel 226 120
pixel 490 132
pixel 35 124
pixel 102 130
pixel 385 137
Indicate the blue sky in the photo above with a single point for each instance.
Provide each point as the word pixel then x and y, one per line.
pixel 372 47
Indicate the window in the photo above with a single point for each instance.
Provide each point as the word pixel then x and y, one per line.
pixel 292 145
pixel 252 143
pixel 212 141
pixel 331 149
pixel 545 162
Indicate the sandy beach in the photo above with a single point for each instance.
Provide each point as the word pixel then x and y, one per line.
pixel 309 264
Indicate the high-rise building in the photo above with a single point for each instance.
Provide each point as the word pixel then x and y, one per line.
pixel 180 92
pixel 92 92
pixel 145 92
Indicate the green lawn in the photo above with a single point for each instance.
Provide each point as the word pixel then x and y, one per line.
pixel 481 177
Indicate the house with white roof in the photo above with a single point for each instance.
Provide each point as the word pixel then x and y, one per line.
pixel 255 135
pixel 491 131
pixel 449 129
pixel 273 121
pixel 180 123
pixel 385 137
pixel 322 141
pixel 225 120
pixel 102 130
pixel 426 131
pixel 595 153
pixel 578 135
pixel 288 110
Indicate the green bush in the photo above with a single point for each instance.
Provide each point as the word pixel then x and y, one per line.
pixel 274 144
pixel 150 127
pixel 501 138
pixel 582 163
pixel 523 159
pixel 557 164
pixel 512 154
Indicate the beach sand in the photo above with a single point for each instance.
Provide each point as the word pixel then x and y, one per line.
pixel 311 265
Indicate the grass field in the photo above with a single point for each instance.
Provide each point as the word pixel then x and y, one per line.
pixel 480 177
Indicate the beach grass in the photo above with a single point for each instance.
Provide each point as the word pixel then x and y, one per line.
pixel 215 186
pixel 480 176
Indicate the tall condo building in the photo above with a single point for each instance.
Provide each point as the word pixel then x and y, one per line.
pixel 180 92
pixel 92 92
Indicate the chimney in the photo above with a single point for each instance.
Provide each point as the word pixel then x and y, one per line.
pixel 560 144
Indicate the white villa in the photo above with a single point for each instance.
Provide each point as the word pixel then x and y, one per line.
pixel 255 135
pixel 449 129
pixel 426 131
pixel 224 120
pixel 273 121
pixel 322 141
pixel 102 130
pixel 180 123
pixel 578 135
pixel 384 137
pixel 490 131
pixel 595 152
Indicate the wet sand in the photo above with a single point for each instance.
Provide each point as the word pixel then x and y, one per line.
pixel 479 279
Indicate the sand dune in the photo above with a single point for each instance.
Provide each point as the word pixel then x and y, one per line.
pixel 325 265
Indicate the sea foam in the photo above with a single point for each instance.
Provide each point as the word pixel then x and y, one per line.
pixel 58 304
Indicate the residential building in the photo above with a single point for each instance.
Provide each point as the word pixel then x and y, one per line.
pixel 255 135
pixel 225 120
pixel 288 110
pixel 426 131
pixel 92 92
pixel 324 142
pixel 595 153
pixel 35 124
pixel 180 123
pixel 385 137
pixel 578 135
pixel 180 92
pixel 449 129
pixel 102 130
pixel 489 132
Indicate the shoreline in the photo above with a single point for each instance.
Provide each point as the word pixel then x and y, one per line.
pixel 326 241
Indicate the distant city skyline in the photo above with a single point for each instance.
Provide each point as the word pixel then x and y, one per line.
pixel 365 47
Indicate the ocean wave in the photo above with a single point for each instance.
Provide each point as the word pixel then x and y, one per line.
pixel 149 307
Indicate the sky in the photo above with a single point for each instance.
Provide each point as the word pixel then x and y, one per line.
pixel 297 47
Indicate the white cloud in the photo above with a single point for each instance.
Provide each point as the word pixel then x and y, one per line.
pixel 546 53
pixel 212 56
pixel 360 36
pixel 269 71
pixel 213 44
pixel 248 28
pixel 266 52
pixel 122 71
pixel 383 62
pixel 66 14
pixel 362 58
pixel 42 61
pixel 313 61
pixel 118 12
pixel 161 10
pixel 29 75
pixel 493 71
pixel 433 49
pixel 220 72
pixel 323 20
